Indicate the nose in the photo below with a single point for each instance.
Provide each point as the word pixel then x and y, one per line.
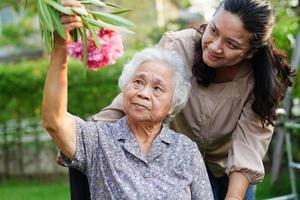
pixel 144 93
pixel 216 45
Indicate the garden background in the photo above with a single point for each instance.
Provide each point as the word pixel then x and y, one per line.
pixel 27 156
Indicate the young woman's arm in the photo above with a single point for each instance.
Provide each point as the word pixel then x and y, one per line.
pixel 237 187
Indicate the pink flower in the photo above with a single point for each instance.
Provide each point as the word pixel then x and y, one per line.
pixel 110 50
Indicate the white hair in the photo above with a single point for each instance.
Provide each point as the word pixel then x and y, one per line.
pixel 181 83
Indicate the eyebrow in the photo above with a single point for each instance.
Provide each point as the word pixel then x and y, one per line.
pixel 232 40
pixel 156 80
pixel 160 82
pixel 139 75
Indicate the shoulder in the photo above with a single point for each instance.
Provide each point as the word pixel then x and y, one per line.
pixel 185 33
pixel 182 38
pixel 183 42
pixel 90 129
pixel 182 142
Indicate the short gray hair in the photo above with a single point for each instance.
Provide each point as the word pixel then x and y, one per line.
pixel 181 83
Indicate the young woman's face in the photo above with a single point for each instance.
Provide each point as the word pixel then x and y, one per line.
pixel 225 41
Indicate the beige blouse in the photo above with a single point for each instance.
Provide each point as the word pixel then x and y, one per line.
pixel 218 118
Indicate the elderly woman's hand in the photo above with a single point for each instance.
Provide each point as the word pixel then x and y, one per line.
pixel 69 22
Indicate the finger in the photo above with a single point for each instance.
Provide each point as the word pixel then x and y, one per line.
pixel 71 3
pixel 71 26
pixel 69 19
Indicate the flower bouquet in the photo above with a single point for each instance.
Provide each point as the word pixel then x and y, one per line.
pixel 98 42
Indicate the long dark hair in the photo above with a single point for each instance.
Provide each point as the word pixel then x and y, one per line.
pixel 271 70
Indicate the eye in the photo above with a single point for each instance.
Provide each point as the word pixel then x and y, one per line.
pixel 138 82
pixel 212 29
pixel 231 45
pixel 157 90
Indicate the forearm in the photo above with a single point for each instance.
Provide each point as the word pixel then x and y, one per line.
pixel 56 88
pixel 59 124
pixel 238 184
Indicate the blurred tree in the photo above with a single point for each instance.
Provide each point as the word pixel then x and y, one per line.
pixel 13 3
pixel 287 25
pixel 286 34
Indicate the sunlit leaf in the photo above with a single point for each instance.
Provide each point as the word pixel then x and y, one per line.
pixel 113 19
pixel 84 42
pixel 100 23
pixel 45 15
pixel 57 23
pixel 95 2
pixel 80 11
pixel 112 5
pixel 120 12
pixel 57 6
pixel 93 32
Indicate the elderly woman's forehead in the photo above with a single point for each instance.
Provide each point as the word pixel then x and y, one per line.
pixel 158 72
pixel 156 67
pixel 154 63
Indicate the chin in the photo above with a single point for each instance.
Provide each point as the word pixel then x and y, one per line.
pixel 140 118
pixel 210 63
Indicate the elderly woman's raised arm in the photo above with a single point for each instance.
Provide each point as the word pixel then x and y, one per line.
pixel 56 120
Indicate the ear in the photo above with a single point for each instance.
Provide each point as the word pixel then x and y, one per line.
pixel 171 111
pixel 251 53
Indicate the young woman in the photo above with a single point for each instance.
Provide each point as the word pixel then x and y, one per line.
pixel 238 79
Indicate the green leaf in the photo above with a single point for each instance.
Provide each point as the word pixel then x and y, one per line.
pixel 112 5
pixel 92 31
pixel 100 23
pixel 57 6
pixel 113 19
pixel 84 42
pixel 120 12
pixel 74 34
pixel 57 23
pixel 80 11
pixel 95 2
pixel 48 39
pixel 44 14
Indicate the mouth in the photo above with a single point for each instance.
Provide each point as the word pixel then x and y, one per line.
pixel 140 106
pixel 213 56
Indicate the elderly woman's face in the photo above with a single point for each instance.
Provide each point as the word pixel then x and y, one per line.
pixel 148 95
pixel 225 41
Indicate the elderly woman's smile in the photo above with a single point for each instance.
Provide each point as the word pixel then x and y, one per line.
pixel 148 95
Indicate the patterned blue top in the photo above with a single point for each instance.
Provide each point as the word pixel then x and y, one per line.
pixel 116 168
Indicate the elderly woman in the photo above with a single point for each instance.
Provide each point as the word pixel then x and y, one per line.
pixel 136 157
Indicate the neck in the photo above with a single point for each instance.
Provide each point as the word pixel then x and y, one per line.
pixel 144 133
pixel 226 74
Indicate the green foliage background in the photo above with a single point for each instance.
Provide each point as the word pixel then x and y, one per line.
pixel 21 86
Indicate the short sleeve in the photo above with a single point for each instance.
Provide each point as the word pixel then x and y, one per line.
pixel 200 187
pixel 86 140
pixel 249 146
